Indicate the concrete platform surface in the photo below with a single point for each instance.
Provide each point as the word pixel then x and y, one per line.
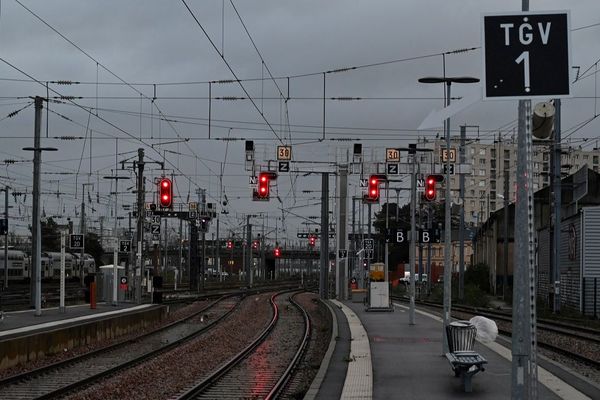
pixel 18 323
pixel 408 363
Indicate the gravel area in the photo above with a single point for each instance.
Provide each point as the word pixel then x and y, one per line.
pixel 321 329
pixel 172 372
pixel 180 313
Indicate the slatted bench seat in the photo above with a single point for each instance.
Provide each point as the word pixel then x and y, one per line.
pixel 466 364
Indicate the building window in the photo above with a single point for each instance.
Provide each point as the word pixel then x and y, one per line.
pixel 493 185
pixel 482 193
pixel 481 183
pixel 472 182
pixel 493 153
pixel 545 157
pixel 493 206
pixel 482 172
pixel 506 154
pixel 482 152
pixel 473 205
pixel 471 151
pixel 473 195
pixel 493 164
pixel 482 162
pixel 595 160
pixel 585 156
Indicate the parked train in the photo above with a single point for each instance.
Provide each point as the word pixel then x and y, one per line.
pixel 19 265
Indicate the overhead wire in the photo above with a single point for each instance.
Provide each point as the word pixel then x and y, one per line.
pixel 231 70
pixel 98 63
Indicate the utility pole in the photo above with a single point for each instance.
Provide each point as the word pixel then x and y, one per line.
pixel 342 267
pixel 248 255
pixel 387 228
pixel 523 350
pixel 179 264
pixel 82 230
pixel 217 244
pixel 461 227
pixel 429 226
pixel 413 237
pixel 6 238
pixel 420 244
pixel 505 247
pixel 140 226
pixel 202 199
pixel 323 277
pixel 36 236
pixel 352 252
pixel 556 178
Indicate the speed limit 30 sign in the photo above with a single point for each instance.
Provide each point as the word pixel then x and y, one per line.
pixel 526 55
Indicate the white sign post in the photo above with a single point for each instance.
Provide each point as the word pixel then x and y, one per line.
pixel 62 272
pixel 115 271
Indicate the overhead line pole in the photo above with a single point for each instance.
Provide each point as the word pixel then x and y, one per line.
pixel 323 281
pixel 140 226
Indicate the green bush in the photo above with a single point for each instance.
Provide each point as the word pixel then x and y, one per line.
pixel 478 276
pixel 475 297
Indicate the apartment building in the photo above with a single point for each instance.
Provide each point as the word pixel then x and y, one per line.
pixel 492 161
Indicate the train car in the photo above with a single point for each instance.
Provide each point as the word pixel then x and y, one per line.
pixel 89 264
pixel 17 265
pixel 71 267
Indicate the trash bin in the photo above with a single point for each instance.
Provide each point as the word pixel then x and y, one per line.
pixel 157 297
pixel 461 336
pixel 157 284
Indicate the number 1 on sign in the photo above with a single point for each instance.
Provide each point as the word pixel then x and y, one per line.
pixel 524 57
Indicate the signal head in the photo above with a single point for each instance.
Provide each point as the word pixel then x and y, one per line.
pixel 165 193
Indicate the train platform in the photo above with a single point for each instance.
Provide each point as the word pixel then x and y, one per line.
pixel 384 357
pixel 25 337
pixel 19 323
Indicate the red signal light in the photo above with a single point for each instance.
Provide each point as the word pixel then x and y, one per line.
pixel 166 193
pixel 312 240
pixel 373 193
pixel 277 252
pixel 229 244
pixel 263 185
pixel 430 186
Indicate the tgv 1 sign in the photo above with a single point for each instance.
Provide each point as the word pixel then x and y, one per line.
pixel 526 55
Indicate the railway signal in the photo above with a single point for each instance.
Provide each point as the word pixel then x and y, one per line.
pixel 264 185
pixel 373 188
pixel 312 240
pixel 230 244
pixel 277 252
pixel 165 192
pixel 430 186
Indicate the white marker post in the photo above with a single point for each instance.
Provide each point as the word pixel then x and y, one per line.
pixel 62 272
pixel 115 272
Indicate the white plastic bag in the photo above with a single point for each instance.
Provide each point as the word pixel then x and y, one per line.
pixel 487 331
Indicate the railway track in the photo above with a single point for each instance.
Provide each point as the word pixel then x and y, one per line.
pixel 263 368
pixel 68 375
pixel 578 337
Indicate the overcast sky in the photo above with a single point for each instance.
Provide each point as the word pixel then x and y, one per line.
pixel 157 48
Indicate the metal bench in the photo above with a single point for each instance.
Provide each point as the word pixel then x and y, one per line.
pixel 464 361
